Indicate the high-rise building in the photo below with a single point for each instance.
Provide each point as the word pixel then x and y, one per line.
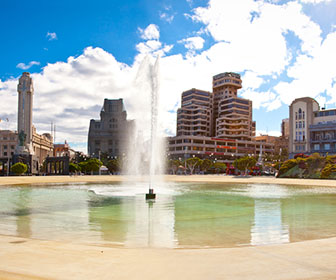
pixel 194 116
pixel 216 124
pixel 311 129
pixel 232 116
pixel 109 134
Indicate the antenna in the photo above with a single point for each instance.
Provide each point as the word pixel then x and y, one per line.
pixel 51 130
pixel 54 133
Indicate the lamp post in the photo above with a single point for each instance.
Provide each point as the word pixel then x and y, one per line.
pixel 7 163
pixel 99 160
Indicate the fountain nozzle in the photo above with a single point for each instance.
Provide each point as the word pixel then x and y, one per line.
pixel 150 194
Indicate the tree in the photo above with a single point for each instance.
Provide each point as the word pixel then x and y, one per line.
pixel 192 163
pixel 174 164
pixel 206 164
pixel 93 165
pixel 19 168
pixel 220 167
pixel 244 163
pixel 73 168
pixel 113 165
pixel 83 166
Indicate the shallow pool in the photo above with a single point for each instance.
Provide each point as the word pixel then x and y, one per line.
pixel 183 215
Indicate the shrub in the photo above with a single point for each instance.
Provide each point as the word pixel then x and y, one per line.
pixel 328 170
pixel 286 166
pixel 19 168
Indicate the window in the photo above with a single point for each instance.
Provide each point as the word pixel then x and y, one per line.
pixel 300 113
pixel 316 147
pixel 303 124
pixel 300 124
pixel 327 146
pixel 296 125
pixel 5 153
pixel 5 147
pixel 296 115
pixel 12 147
pixel 303 114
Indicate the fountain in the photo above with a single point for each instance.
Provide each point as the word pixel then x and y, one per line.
pixel 146 148
pixel 154 114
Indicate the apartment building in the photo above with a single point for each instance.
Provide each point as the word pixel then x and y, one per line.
pixel 194 116
pixel 311 129
pixel 216 124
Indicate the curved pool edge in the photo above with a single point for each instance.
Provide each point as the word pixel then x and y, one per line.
pixel 27 180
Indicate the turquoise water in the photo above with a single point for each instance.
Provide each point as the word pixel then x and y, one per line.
pixel 183 215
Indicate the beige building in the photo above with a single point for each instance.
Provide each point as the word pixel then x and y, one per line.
pixel 280 143
pixel 217 149
pixel 216 124
pixel 232 116
pixel 26 144
pixel 62 150
pixel 8 142
pixel 311 129
pixel 194 116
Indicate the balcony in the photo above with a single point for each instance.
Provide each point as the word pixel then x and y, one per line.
pixel 323 140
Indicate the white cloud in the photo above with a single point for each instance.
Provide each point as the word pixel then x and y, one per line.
pixel 312 75
pixel 259 99
pixel 151 32
pixel 193 43
pixel 251 80
pixel 166 17
pixel 51 36
pixel 250 38
pixel 27 66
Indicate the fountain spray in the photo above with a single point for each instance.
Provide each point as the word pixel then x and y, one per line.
pixel 154 84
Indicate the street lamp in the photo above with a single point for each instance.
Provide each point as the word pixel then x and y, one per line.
pixel 99 160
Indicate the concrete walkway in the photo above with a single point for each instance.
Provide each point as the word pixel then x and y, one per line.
pixel 36 259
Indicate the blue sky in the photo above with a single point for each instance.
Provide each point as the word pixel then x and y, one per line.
pixel 80 52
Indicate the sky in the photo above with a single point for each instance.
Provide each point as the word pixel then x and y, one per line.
pixel 80 52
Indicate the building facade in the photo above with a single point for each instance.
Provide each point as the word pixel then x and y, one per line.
pixel 109 134
pixel 25 144
pixel 311 129
pixel 194 116
pixel 8 142
pixel 216 124
pixel 62 150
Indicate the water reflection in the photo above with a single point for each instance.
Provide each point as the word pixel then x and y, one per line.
pixel 268 227
pixel 183 215
pixel 22 212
